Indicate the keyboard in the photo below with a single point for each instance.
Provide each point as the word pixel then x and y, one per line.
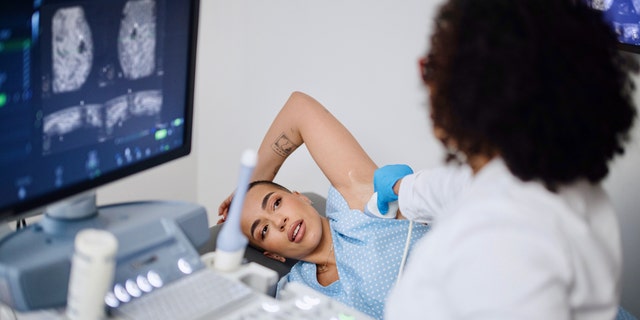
pixel 204 294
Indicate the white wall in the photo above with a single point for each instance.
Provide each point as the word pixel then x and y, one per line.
pixel 623 185
pixel 357 57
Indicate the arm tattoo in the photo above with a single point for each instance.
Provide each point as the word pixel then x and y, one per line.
pixel 283 146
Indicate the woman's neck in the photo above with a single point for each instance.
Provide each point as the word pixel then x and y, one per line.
pixel 325 260
pixel 324 253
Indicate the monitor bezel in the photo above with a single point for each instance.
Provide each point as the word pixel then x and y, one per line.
pixel 628 47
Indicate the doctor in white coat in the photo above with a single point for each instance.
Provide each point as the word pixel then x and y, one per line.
pixel 534 100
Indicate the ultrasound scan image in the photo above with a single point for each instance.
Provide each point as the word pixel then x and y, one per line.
pixel 69 119
pixel 146 103
pixel 63 121
pixel 623 16
pixel 72 48
pixel 625 19
pixel 93 115
pixel 602 5
pixel 116 112
pixel 131 106
pixel 99 73
pixel 137 39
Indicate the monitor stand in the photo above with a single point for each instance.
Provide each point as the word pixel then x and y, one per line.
pixel 5 230
pixel 62 213
pixel 153 236
pixel 79 206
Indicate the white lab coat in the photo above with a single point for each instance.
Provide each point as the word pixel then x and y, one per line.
pixel 501 248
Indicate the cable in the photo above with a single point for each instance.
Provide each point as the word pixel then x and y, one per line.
pixel 21 223
pixel 406 251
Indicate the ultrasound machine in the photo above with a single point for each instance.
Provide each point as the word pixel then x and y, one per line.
pixel 92 91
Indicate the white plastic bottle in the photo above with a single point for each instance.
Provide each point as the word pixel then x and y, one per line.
pixel 92 272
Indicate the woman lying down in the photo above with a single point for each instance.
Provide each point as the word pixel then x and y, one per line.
pixel 347 255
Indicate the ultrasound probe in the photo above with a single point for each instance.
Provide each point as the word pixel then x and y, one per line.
pixel 231 242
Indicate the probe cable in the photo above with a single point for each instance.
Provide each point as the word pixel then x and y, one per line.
pixel 406 251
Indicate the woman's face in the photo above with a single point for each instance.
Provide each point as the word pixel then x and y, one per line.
pixel 281 222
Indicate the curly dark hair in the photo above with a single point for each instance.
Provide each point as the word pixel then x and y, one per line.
pixel 540 83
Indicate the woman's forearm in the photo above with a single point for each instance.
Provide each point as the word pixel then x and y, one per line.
pixel 282 138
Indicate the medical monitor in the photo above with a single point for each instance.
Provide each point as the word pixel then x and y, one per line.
pixel 90 92
pixel 624 18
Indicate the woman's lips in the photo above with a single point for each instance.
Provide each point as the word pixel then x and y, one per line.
pixel 296 231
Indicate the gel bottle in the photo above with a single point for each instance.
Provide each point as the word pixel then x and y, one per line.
pixel 92 272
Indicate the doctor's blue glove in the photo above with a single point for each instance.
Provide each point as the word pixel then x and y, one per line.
pixel 383 180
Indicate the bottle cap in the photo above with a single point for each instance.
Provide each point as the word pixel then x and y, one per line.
pixel 96 242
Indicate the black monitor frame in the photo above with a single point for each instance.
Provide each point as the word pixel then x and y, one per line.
pixel 36 205
pixel 629 48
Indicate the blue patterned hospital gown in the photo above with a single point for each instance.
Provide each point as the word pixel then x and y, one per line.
pixel 368 252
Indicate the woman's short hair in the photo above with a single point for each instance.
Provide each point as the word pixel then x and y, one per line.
pixel 268 182
pixel 539 82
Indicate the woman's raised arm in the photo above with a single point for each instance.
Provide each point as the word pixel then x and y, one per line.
pixel 302 119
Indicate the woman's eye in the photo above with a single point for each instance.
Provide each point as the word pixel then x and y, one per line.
pixel 264 231
pixel 276 204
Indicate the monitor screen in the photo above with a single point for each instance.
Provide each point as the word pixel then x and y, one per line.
pixel 90 92
pixel 624 17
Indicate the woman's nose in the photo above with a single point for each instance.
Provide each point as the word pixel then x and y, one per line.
pixel 283 223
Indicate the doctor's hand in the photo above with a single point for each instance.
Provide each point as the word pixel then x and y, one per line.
pixel 384 179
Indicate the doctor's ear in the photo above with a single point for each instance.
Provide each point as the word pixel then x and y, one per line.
pixel 274 256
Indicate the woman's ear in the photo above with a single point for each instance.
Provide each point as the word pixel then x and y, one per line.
pixel 305 198
pixel 274 256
